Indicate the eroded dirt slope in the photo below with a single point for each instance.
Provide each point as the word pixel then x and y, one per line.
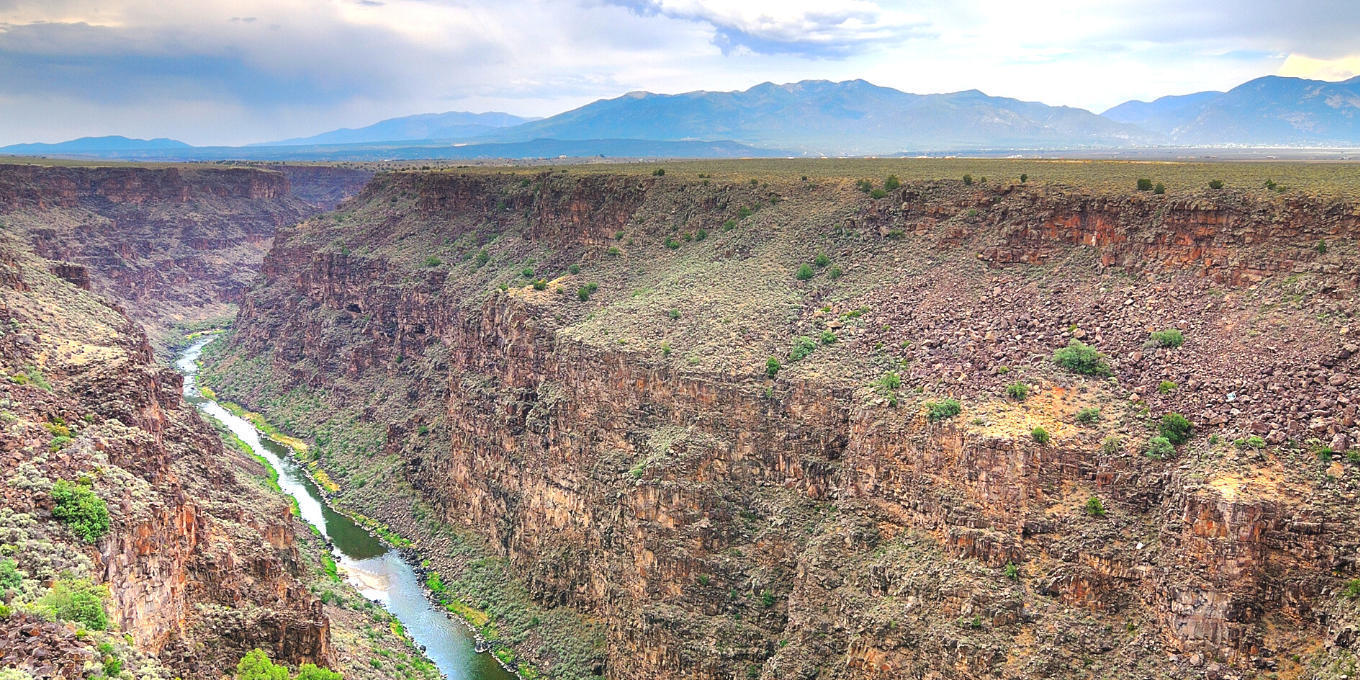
pixel 615 444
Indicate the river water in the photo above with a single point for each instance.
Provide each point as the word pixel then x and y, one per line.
pixel 375 569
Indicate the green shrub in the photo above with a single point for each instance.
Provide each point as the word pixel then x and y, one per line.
pixel 1094 507
pixel 1175 428
pixel 574 269
pixel 527 272
pixel 834 272
pixel 804 272
pixel 821 260
pixel 968 180
pixel 1012 571
pixel 864 185
pixel 1322 247
pixel 540 284
pixel 1111 445
pixel 1166 387
pixel 828 338
pixel 877 194
pixel 659 172
pixel 1351 591
pixel 744 212
pixel 672 243
pixel 701 235
pixel 313 672
pixel 665 349
pixel 729 225
pixel 77 600
pixel 767 599
pixel 80 509
pixel 1079 357
pixel 613 250
pixel 482 258
pixel 583 293
pixel 1144 184
pixel 802 346
pixel 772 367
pixel 1089 415
pixel 890 381
pixel 942 410
pixel 113 667
pixel 1158 448
pixel 1023 178
pixel 1170 338
pixel 1017 391
pixel 1160 189
pixel 10 576
pixel 892 183
pixel 1215 184
pixel 1040 435
pixel 703 579
pixel 673 313
pixel 433 261
pixel 5 611
pixel 255 665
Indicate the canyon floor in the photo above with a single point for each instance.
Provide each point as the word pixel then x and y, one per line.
pixel 746 419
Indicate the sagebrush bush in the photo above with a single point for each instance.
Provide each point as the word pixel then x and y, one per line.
pixel 1158 448
pixel 1169 338
pixel 802 347
pixel 943 409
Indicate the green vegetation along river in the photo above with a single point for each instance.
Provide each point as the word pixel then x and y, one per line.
pixel 375 569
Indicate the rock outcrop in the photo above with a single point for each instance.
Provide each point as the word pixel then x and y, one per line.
pixel 716 415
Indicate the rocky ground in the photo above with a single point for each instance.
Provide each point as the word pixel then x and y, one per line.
pixel 560 385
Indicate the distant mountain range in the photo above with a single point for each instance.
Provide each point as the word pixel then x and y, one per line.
pixel 849 118
pixel 1265 111
pixel 811 118
pixel 451 125
pixel 96 145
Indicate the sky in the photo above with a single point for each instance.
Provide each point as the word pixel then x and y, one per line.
pixel 231 72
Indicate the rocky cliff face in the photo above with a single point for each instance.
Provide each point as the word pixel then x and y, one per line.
pixel 176 245
pixel 199 561
pixel 577 369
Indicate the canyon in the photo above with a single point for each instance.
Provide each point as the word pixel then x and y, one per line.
pixel 193 556
pixel 747 419
pixel 703 424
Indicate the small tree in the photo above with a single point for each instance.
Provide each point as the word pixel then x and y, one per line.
pixel 804 272
pixel 1145 185
pixel 822 260
pixel 80 509
pixel 1160 189
pixel 255 665
pixel 1023 178
pixel 1079 357
pixel 77 600
pixel 968 180
pixel 1175 428
pixel 313 672
pixel 1094 507
pixel 772 367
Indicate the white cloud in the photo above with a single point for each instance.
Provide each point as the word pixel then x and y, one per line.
pixel 236 71
pixel 1300 66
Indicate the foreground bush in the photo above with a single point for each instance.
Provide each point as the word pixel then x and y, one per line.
pixel 77 600
pixel 1175 428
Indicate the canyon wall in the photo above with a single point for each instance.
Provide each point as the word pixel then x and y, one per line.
pixel 174 244
pixel 577 369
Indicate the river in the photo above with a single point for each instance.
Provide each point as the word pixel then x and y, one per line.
pixel 376 570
